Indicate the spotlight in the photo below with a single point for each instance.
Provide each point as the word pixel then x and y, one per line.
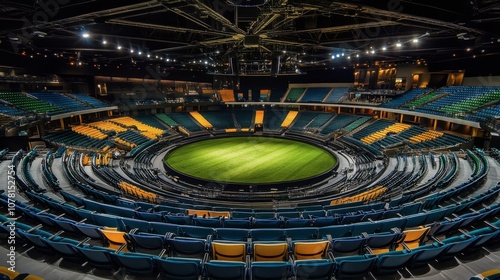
pixel 398 44
pixel 384 48
pixel 149 55
pixel 85 35
pixel 131 51
pixel 119 47
pixel 139 52
pixel 104 42
pixel 415 40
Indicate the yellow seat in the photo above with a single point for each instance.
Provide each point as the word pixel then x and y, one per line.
pixel 270 252
pixel 229 251
pixel 198 213
pixel 414 237
pixel 114 238
pixel 213 214
pixel 13 274
pixel 310 250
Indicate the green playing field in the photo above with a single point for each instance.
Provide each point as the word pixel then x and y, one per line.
pixel 250 160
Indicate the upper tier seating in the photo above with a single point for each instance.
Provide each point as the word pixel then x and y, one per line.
pixel 398 101
pixel 96 103
pixel 294 94
pixel 220 120
pixel 314 94
pixel 61 101
pixel 336 95
pixel 186 121
pixel 29 103
pixel 11 111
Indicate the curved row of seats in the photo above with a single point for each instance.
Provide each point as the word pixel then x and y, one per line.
pixel 335 268
pixel 307 252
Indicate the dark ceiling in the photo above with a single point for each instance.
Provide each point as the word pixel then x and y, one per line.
pixel 204 35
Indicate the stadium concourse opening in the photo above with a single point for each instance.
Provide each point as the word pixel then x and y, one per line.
pixel 251 163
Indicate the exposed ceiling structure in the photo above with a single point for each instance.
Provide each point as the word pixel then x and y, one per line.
pixel 206 34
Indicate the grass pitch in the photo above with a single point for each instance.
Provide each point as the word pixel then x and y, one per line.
pixel 250 160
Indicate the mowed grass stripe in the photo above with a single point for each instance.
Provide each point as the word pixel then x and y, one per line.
pixel 252 160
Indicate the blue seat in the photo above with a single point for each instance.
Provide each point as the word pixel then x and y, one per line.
pixel 134 263
pixel 35 240
pixel 456 245
pixel 296 223
pixel 144 241
pixel 390 262
pixel 128 224
pixel 387 224
pixel 320 213
pixel 195 231
pixel 415 220
pixel 107 220
pixel 64 247
pixel 187 247
pixel 267 234
pixel 173 268
pixel 267 223
pixel 336 231
pixel 368 227
pixel 179 220
pixel 163 228
pixel 147 216
pixel 313 269
pixel 325 221
pixel 354 266
pixel 97 257
pixel 424 254
pixel 348 246
pixel 232 234
pixel 302 233
pixel 227 270
pixel 237 223
pixel 66 224
pixel 207 222
pixel 270 270
pixel 91 231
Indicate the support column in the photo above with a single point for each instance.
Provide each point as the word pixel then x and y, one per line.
pixel 435 124
pixel 401 118
pixel 80 119
pixel 62 123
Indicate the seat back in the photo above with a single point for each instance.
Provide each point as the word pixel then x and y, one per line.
pixel 178 268
pixel 187 247
pixel 313 269
pixel 348 245
pixel 354 266
pixel 229 251
pixel 227 270
pixel 414 237
pixel 133 263
pixel 112 238
pixel 270 251
pixel 310 250
pixel 270 270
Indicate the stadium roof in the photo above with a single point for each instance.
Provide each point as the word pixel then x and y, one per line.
pixel 204 34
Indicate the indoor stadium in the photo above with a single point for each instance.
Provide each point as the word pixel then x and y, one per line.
pixel 249 139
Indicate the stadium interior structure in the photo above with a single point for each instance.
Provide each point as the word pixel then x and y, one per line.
pixel 360 140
